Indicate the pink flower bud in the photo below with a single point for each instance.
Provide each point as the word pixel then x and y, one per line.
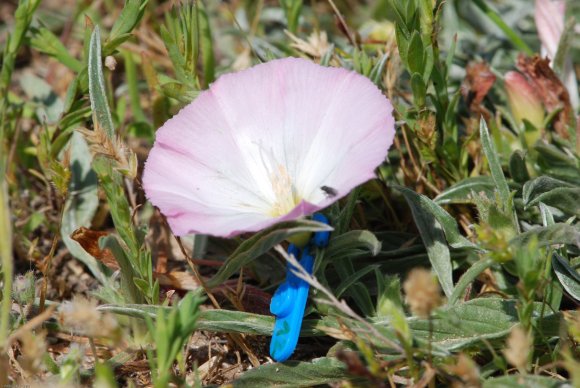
pixel 523 100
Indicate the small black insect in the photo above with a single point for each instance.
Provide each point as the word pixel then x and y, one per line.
pixel 329 191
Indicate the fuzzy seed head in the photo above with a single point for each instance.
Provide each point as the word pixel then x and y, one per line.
pixel 33 349
pixel 467 371
pixel 422 291
pixel 518 347
pixel 82 317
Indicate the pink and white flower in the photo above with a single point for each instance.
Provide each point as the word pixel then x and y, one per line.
pixel 275 142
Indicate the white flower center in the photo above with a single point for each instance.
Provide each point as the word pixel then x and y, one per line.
pixel 283 188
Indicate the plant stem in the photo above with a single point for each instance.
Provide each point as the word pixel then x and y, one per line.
pixel 6 260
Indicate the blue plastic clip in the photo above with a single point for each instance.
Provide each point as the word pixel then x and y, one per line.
pixel 289 300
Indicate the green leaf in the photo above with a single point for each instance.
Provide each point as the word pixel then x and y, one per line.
pixel 565 199
pixel 568 276
pixel 352 243
pixel 378 68
pixel 518 168
pixel 402 35
pixel 133 88
pixel 112 183
pixel 129 287
pixel 206 46
pixel 467 278
pixel 261 243
pixel 130 15
pixel 433 238
pixel 416 54
pixel 518 381
pixel 447 222
pixel 97 93
pixel 294 374
pixel 515 39
pixel 454 327
pixel 471 322
pixel 352 279
pixel 494 164
pixel 557 163
pixel 541 185
pixel 462 192
pixel 550 235
pixel 552 192
pixel 419 89
pixel 46 42
pixel 81 205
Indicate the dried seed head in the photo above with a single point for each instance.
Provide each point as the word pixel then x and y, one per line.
pixel 467 371
pixel 316 46
pixel 82 317
pixel 113 149
pixel 518 347
pixel 423 292
pixel 33 349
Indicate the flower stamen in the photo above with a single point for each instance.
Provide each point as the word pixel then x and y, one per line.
pixel 284 192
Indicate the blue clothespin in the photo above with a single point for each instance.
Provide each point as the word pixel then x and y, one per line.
pixel 289 300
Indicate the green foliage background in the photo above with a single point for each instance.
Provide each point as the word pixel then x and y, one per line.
pixel 490 204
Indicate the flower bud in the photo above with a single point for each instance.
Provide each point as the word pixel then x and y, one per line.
pixel 524 101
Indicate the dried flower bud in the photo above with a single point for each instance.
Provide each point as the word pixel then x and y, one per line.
pixel 423 292
pixel 524 101
pixel 518 347
pixel 82 317
pixel 110 62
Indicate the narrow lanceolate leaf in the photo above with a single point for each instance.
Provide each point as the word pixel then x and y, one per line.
pixel 550 235
pixel 261 243
pixel 494 163
pixel 568 276
pixel 517 380
pixel 471 322
pixel 206 47
pixel 566 199
pixel 453 327
pixel 320 371
pixel 534 188
pixel 448 223
pixel 130 15
pixel 97 92
pixel 463 192
pixel 81 204
pixel 552 192
pixel 352 244
pixel 433 238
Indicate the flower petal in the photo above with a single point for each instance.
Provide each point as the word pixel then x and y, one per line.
pixel 549 16
pixel 257 147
